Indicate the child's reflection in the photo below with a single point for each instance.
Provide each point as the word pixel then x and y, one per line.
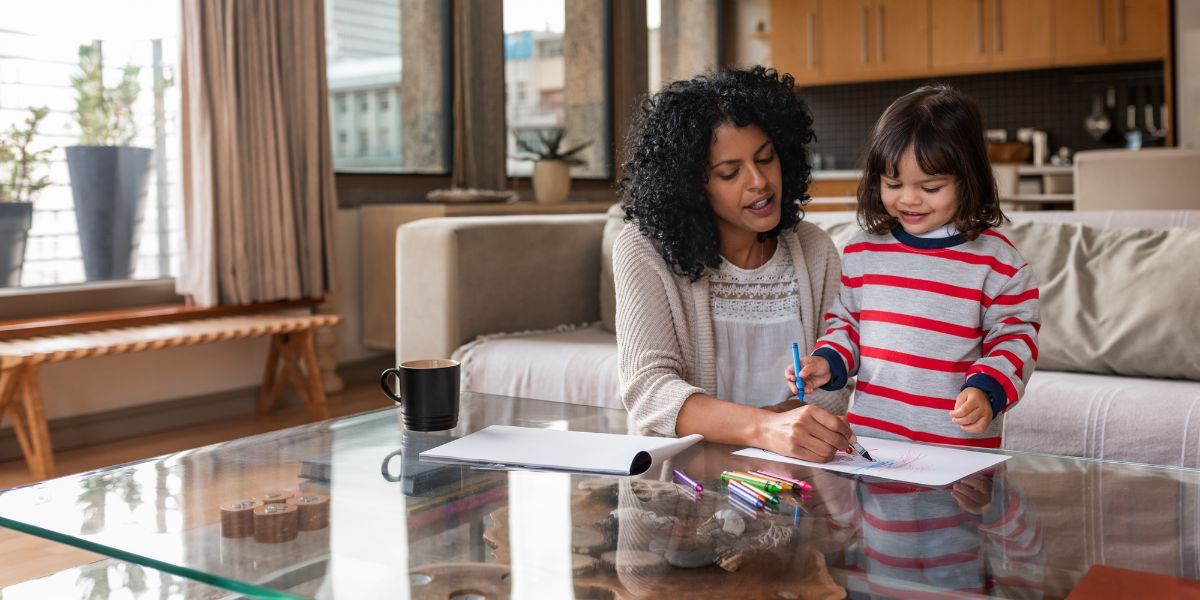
pixel 980 535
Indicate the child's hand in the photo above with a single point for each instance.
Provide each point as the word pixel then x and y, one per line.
pixel 973 494
pixel 814 370
pixel 972 411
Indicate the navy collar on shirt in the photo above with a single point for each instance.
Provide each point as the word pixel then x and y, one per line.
pixel 913 241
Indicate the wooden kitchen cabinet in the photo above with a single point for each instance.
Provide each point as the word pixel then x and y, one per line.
pixel 794 38
pixel 1110 31
pixel 985 35
pixel 873 39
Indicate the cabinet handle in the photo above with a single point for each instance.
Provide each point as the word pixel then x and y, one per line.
pixel 979 26
pixel 1120 21
pixel 812 46
pixel 862 33
pixel 1100 22
pixel 998 27
pixel 879 33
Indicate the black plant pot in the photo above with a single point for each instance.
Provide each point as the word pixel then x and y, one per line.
pixel 15 219
pixel 109 186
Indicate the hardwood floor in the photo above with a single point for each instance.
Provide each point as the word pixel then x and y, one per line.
pixel 24 557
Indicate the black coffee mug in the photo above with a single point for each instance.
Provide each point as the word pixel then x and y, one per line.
pixel 428 393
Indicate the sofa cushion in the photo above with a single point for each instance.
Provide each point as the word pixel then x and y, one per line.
pixel 566 364
pixel 1107 417
pixel 608 291
pixel 1117 301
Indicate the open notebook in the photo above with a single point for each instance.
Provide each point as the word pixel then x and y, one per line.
pixel 507 447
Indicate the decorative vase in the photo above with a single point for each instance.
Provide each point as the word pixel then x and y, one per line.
pixel 15 219
pixel 551 181
pixel 109 187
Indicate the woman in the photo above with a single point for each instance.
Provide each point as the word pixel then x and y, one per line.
pixel 715 273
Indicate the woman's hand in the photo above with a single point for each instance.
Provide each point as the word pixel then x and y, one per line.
pixel 815 372
pixel 808 433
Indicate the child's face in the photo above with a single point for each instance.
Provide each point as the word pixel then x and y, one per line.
pixel 920 201
pixel 744 180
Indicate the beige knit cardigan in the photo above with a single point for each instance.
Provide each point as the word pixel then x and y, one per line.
pixel 665 342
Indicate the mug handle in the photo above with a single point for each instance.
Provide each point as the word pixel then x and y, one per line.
pixel 383 382
pixel 387 462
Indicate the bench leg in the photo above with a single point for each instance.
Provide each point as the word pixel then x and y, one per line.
pixel 29 421
pixel 272 384
pixel 292 359
pixel 317 408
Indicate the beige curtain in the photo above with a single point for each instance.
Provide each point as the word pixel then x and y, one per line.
pixel 257 166
pixel 479 129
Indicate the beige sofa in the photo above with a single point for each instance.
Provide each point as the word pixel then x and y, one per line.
pixel 520 301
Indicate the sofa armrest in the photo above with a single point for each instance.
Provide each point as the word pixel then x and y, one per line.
pixel 461 277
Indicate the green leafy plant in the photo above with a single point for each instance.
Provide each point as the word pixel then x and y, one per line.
pixel 105 115
pixel 543 144
pixel 19 164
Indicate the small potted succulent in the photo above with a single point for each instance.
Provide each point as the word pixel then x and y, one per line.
pixel 551 166
pixel 20 183
pixel 108 175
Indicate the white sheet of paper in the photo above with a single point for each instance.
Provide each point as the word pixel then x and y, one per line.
pixel 508 447
pixel 898 461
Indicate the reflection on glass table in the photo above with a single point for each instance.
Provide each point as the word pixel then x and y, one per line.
pixel 111 579
pixel 383 522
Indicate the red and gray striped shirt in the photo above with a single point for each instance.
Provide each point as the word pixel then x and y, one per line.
pixel 920 319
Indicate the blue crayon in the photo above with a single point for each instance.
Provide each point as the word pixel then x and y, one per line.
pixel 796 365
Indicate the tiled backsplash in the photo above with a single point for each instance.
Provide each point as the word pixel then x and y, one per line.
pixel 1055 100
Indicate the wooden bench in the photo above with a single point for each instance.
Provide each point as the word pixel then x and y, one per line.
pixel 291 357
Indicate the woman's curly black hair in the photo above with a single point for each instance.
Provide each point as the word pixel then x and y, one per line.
pixel 667 151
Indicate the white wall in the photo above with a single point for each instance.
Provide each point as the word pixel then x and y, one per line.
pixel 1187 67
pixel 107 383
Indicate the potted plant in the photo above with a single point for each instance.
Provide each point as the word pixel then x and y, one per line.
pixel 551 167
pixel 108 175
pixel 19 185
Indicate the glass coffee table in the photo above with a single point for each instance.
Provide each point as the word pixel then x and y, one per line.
pixel 367 518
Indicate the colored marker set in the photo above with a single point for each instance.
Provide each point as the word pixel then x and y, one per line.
pixel 755 490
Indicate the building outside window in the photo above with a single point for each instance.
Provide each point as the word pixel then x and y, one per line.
pixel 388 54
pixel 554 56
pixel 39 54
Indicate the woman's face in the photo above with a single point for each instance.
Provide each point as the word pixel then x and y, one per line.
pixel 744 181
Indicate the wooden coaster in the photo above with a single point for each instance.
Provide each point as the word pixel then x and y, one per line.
pixel 275 523
pixel 274 496
pixel 313 509
pixel 587 541
pixel 442 581
pixel 237 518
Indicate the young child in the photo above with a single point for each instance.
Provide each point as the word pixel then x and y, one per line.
pixel 938 313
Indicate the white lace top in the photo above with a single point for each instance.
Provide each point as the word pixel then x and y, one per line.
pixel 756 317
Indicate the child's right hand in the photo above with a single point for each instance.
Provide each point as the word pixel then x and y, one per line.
pixel 815 372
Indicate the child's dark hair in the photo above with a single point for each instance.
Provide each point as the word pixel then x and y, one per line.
pixel 666 166
pixel 945 130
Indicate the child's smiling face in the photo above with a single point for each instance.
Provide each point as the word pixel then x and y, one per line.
pixel 920 201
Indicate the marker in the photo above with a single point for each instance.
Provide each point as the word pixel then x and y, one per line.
pixel 746 477
pixel 748 497
pixel 797 483
pixel 796 365
pixel 743 506
pixel 764 495
pixel 857 447
pixel 688 481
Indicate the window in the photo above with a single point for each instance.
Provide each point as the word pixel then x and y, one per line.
pixel 558 85
pixel 40 52
pixel 682 39
pixel 391 55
